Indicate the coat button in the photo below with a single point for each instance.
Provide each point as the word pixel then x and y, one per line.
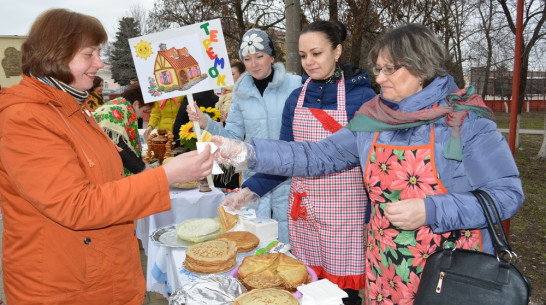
pixel 318 100
pixel 87 241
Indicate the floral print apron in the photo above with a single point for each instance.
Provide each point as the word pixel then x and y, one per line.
pixel 327 213
pixel 396 257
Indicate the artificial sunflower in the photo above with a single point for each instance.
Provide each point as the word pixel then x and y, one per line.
pixel 188 138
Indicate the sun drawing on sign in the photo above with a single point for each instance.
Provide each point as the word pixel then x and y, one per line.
pixel 143 49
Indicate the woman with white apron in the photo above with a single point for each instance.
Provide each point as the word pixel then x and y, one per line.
pixel 326 214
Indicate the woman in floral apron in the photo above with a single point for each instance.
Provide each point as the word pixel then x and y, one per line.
pixel 424 145
pixel 327 214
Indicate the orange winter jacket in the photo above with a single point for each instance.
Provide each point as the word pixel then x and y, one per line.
pixel 68 212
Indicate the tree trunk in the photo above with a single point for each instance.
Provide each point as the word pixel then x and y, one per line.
pixel 542 152
pixel 293 28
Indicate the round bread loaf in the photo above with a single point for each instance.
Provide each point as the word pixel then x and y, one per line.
pixel 213 256
pixel 265 297
pixel 245 241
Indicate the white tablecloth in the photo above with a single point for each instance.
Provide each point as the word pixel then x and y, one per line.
pixel 185 204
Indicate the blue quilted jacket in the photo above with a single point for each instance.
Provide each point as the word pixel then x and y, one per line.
pixel 487 162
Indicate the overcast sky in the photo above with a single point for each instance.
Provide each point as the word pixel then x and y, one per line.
pixel 17 16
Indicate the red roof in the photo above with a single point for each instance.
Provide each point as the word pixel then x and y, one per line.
pixel 178 58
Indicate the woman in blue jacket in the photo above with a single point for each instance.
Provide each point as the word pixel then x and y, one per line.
pixel 256 112
pixel 327 229
pixel 423 145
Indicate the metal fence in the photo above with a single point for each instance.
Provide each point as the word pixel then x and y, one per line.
pixel 499 89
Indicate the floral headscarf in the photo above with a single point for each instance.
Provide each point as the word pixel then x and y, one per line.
pixel 118 119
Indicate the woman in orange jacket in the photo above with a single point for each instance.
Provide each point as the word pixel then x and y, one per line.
pixel 68 211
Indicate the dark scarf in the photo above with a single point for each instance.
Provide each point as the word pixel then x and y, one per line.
pixel 79 96
pixel 261 84
pixel 376 116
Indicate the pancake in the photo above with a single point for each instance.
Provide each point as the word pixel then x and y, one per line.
pixel 265 297
pixel 213 256
pixel 245 241
pixel 293 272
pixel 198 229
pixel 274 270
pixel 227 220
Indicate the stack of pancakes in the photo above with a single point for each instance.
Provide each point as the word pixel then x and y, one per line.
pixel 275 270
pixel 213 256
pixel 266 296
pixel 244 240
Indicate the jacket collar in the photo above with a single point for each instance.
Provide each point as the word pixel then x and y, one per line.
pixel 32 90
pixel 245 88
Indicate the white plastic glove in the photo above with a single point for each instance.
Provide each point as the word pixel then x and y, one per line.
pixel 236 153
pixel 241 198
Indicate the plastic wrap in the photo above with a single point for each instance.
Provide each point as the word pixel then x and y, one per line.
pixel 236 153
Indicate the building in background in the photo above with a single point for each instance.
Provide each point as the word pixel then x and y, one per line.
pixel 10 60
pixel 11 72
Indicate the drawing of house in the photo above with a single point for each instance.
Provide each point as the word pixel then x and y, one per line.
pixel 174 67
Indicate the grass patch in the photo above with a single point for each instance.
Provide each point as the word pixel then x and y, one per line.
pixel 528 227
pixel 529 120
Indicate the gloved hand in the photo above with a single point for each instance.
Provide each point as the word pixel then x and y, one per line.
pixel 236 153
pixel 241 198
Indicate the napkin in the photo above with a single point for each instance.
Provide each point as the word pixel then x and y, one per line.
pixel 322 292
pixel 216 169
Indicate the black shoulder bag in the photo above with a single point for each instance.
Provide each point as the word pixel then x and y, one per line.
pixel 455 276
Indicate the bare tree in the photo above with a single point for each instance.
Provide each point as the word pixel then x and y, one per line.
pixel 486 10
pixel 237 16
pixel 533 30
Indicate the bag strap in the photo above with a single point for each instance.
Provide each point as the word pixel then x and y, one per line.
pixel 495 227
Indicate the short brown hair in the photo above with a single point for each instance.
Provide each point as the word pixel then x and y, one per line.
pixel 414 47
pixel 55 38
pixel 133 93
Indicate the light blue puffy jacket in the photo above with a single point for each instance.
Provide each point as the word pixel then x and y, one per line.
pixel 254 116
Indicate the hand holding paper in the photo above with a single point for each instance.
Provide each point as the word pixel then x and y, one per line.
pixel 216 170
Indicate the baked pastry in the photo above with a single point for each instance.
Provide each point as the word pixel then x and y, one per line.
pixel 227 220
pixel 274 270
pixel 198 229
pixel 213 256
pixel 292 271
pixel 266 296
pixel 245 241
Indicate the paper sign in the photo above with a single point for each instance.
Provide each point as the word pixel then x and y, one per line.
pixel 181 61
pixel 216 169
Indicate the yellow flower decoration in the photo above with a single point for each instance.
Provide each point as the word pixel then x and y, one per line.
pixel 188 138
pixel 186 132
pixel 214 113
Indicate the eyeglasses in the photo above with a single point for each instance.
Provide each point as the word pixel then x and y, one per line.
pixel 387 69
